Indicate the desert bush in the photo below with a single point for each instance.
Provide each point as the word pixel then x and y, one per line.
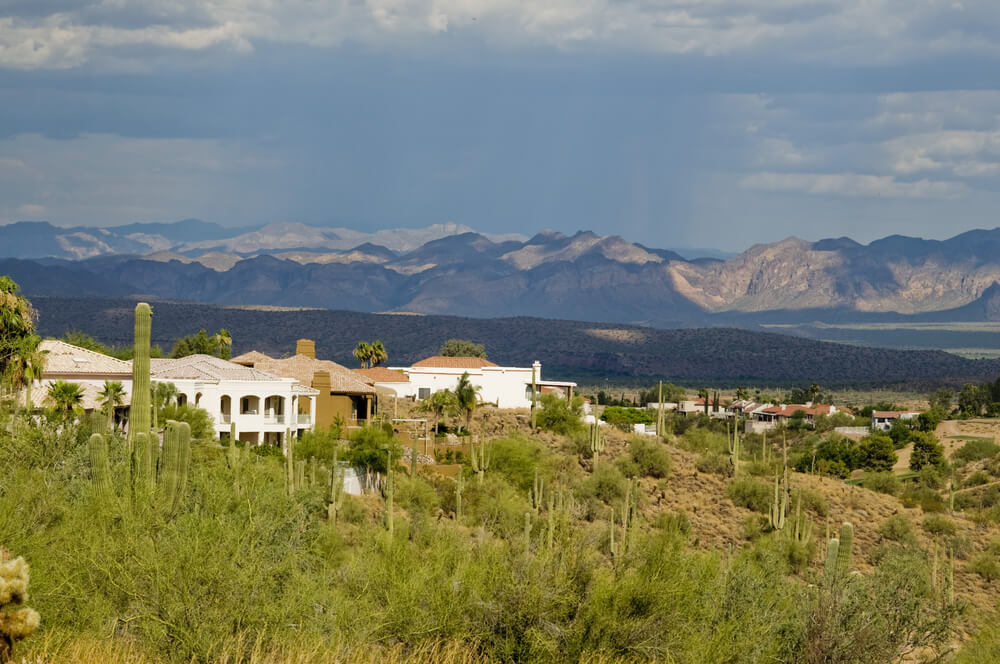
pixel 886 483
pixel 751 494
pixel 975 450
pixel 898 529
pixel 651 458
pixel 714 463
pixel 926 499
pixel 985 565
pixel 939 524
pixel 814 502
pixel 560 415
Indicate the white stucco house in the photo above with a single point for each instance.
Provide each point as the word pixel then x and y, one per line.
pixel 263 406
pixel 506 387
pixel 882 419
pixel 86 368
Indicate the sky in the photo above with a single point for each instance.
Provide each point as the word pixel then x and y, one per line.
pixel 687 123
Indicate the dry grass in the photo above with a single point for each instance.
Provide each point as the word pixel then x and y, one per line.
pixel 248 650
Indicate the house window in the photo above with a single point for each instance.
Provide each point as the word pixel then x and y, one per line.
pixel 423 392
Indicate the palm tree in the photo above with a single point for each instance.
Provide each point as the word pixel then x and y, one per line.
pixel 66 397
pixel 378 354
pixel 112 396
pixel 225 342
pixel 26 365
pixel 439 403
pixel 363 352
pixel 467 395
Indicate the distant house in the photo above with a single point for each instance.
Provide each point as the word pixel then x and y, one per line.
pixel 340 393
pixel 507 387
pixel 263 406
pixel 771 416
pixel 697 406
pixel 86 368
pixel 882 419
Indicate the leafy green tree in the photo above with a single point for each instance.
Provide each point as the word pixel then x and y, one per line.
pixel 217 345
pixel 560 415
pixel 623 417
pixel 467 396
pixel 65 397
pixel 927 451
pixel 202 426
pixel 876 453
pixel 972 400
pixel 941 399
pixel 462 348
pixel 901 433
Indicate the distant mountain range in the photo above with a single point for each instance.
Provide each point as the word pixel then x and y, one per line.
pixel 448 269
pixel 572 350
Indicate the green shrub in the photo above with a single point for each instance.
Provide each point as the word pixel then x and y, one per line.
pixel 605 484
pixel 928 500
pixel 516 459
pixel 886 483
pixel 560 415
pixel 318 445
pixel 977 478
pixel 677 522
pixel 704 441
pixel 986 566
pixel 716 464
pixel 939 524
pixel 814 502
pixel 202 425
pixel 976 449
pixel 751 494
pixel 898 529
pixel 651 457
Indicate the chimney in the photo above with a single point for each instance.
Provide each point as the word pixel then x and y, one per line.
pixel 321 381
pixel 306 347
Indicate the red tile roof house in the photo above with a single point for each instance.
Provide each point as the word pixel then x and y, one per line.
pixel 507 387
pixel 882 419
pixel 768 418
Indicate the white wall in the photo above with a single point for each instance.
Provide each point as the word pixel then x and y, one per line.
pixel 262 422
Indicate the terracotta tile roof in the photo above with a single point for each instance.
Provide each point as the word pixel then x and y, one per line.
pixel 249 359
pixel 893 414
pixel 383 375
pixel 205 368
pixel 443 362
pixel 62 358
pixel 788 410
pixel 302 368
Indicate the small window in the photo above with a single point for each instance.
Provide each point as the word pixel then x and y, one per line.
pixel 423 392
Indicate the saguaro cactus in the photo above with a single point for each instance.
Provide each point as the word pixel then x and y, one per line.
pixel 480 460
pixel 142 464
pixel 537 491
pixel 335 495
pixel 16 620
pixel 776 513
pixel 289 464
pixel 183 464
pixel 803 527
pixel 596 441
pixel 844 554
pixel 100 470
pixel 390 490
pixel 139 412
pixel 459 489
pixel 832 550
pixel 734 447
pixel 170 465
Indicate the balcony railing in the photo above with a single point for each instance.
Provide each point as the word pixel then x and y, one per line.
pixel 249 411
pixel 227 418
pixel 272 418
pixel 303 418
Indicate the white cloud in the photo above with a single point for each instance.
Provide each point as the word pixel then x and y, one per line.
pixel 851 184
pixel 854 31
